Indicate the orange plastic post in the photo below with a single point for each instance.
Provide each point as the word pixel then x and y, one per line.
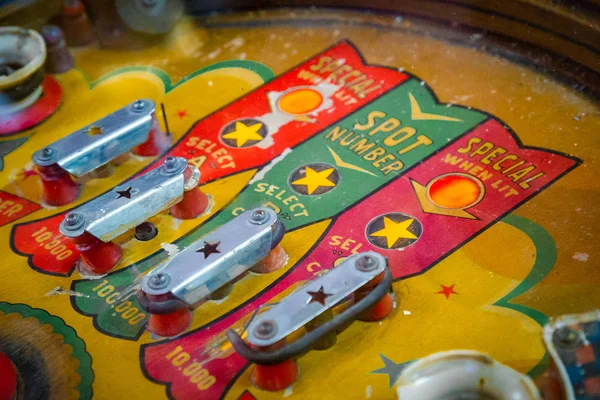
pixel 379 311
pixel 276 376
pixel 58 187
pixel 75 23
pixel 194 201
pixel 170 324
pixel 275 260
pixel 157 141
pixel 98 257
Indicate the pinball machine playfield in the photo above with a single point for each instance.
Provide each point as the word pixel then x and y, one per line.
pixel 300 203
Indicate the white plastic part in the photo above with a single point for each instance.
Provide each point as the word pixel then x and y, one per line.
pixel 576 322
pixel 463 374
pixel 18 45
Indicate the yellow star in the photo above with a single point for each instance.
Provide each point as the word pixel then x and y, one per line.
pixel 313 179
pixel 393 231
pixel 243 133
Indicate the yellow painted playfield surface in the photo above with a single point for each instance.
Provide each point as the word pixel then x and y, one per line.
pixel 490 295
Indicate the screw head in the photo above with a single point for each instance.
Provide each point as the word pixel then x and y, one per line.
pixel 159 281
pixel 139 105
pixel 259 216
pixel 566 337
pixel 46 154
pixel 73 221
pixel 266 329
pixel 171 165
pixel 52 35
pixel 366 263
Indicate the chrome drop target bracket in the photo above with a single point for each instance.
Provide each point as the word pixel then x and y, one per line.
pixel 213 261
pixel 131 203
pixel 101 141
pixel 307 303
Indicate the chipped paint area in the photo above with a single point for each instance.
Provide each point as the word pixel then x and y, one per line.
pixel 175 224
pixel 209 206
pixel 85 273
pixel 234 43
pixel 261 174
pixel 583 257
pixel 369 392
pixel 170 248
pixel 60 290
pixel 278 118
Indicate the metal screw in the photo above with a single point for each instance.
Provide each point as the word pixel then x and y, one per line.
pixel 566 337
pixel 138 105
pixel 171 164
pixel 366 263
pixel 47 154
pixel 259 217
pixel 52 34
pixel 73 221
pixel 159 281
pixel 265 330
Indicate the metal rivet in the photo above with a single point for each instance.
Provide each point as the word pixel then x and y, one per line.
pixel 46 154
pixel 159 281
pixel 366 263
pixel 259 217
pixel 73 221
pixel 138 105
pixel 265 330
pixel 171 164
pixel 51 33
pixel 566 337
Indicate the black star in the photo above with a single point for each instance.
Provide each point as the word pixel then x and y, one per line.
pixel 209 249
pixel 319 296
pixel 124 193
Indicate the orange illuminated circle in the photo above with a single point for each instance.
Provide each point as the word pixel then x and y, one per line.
pixel 455 191
pixel 300 101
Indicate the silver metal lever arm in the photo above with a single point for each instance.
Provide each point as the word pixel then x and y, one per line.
pixel 102 141
pixel 306 342
pixel 216 259
pixel 129 204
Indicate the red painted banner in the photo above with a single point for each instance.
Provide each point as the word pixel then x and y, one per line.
pixel 13 207
pixel 253 130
